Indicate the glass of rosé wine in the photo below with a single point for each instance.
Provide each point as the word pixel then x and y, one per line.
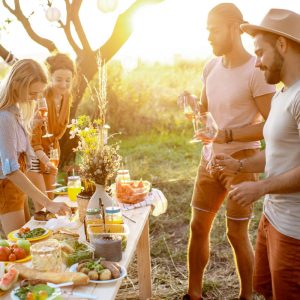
pixel 43 111
pixel 205 128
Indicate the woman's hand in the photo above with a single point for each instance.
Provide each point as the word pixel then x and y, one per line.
pixel 51 168
pixel 59 208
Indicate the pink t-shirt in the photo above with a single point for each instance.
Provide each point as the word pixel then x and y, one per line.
pixel 230 94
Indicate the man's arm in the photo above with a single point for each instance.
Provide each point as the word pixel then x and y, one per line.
pixel 226 164
pixel 285 183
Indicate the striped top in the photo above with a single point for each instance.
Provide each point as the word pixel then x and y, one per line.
pixel 13 141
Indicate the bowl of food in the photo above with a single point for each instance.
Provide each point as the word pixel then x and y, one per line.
pixel 132 192
pixel 74 251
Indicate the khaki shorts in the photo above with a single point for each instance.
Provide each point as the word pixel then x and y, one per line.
pixel 210 191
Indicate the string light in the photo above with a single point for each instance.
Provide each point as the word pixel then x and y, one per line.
pixel 53 14
pixel 107 6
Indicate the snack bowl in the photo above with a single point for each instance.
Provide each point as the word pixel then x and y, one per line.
pixel 132 192
pixel 74 251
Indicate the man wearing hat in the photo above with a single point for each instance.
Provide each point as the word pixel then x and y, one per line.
pixel 277 253
pixel 238 97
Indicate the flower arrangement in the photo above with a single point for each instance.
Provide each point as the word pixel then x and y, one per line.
pixel 99 161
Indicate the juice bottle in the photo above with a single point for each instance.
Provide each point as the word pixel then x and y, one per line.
pixel 74 187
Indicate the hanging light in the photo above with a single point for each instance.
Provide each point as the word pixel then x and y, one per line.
pixel 107 6
pixel 53 14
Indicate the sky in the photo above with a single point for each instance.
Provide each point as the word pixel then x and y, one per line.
pixel 173 28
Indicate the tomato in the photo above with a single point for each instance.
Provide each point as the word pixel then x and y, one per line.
pixel 20 253
pixel 30 296
pixel 4 253
pixel 12 257
pixel 140 184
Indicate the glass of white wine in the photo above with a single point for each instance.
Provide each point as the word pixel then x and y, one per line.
pixel 43 111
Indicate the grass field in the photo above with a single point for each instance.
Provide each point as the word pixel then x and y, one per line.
pixel 170 163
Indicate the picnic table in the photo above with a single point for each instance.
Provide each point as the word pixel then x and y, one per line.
pixel 138 241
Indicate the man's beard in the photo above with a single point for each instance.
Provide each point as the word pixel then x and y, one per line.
pixel 273 73
pixel 224 47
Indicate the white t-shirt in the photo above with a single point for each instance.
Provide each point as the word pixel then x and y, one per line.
pixel 230 94
pixel 281 133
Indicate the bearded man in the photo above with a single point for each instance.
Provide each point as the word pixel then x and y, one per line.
pixel 238 97
pixel 277 252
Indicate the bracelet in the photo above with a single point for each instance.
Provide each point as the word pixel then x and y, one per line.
pixel 240 166
pixel 228 136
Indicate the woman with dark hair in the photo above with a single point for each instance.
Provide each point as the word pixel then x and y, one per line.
pixel 58 96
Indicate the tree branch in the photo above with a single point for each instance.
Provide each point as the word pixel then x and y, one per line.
pixel 74 16
pixel 122 30
pixel 17 12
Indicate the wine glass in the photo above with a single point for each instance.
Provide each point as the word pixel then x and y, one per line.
pixel 205 128
pixel 54 159
pixel 43 110
pixel 189 103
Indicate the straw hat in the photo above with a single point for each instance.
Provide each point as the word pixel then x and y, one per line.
pixel 282 22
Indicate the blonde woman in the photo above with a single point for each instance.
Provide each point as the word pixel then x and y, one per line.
pixel 58 96
pixel 24 83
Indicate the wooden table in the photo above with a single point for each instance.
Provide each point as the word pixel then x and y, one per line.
pixel 138 240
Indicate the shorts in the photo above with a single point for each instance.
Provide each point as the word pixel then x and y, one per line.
pixel 210 191
pixel 11 197
pixel 277 263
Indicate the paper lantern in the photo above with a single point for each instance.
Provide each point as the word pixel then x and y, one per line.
pixel 107 5
pixel 53 14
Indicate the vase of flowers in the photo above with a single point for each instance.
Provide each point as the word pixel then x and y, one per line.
pixel 99 161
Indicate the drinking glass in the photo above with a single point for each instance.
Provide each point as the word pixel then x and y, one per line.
pixel 54 159
pixel 43 110
pixel 205 128
pixel 74 187
pixel 189 103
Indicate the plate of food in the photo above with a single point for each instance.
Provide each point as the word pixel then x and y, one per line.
pixel 17 252
pixel 100 271
pixel 43 216
pixel 37 291
pixel 62 190
pixel 31 235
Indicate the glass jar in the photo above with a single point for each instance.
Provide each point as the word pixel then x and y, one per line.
pixel 74 187
pixel 113 215
pixel 92 217
pixel 46 256
pixel 122 177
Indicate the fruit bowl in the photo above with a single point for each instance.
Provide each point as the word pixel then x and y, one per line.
pixel 132 192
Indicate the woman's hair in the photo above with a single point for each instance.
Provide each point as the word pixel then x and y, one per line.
pixel 60 61
pixel 15 87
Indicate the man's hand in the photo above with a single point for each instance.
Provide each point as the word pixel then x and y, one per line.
pixel 225 163
pixel 186 98
pixel 221 137
pixel 246 192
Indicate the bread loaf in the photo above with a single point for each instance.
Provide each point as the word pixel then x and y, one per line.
pixel 54 277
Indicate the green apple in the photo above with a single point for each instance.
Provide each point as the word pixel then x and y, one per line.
pixel 24 244
pixel 4 243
